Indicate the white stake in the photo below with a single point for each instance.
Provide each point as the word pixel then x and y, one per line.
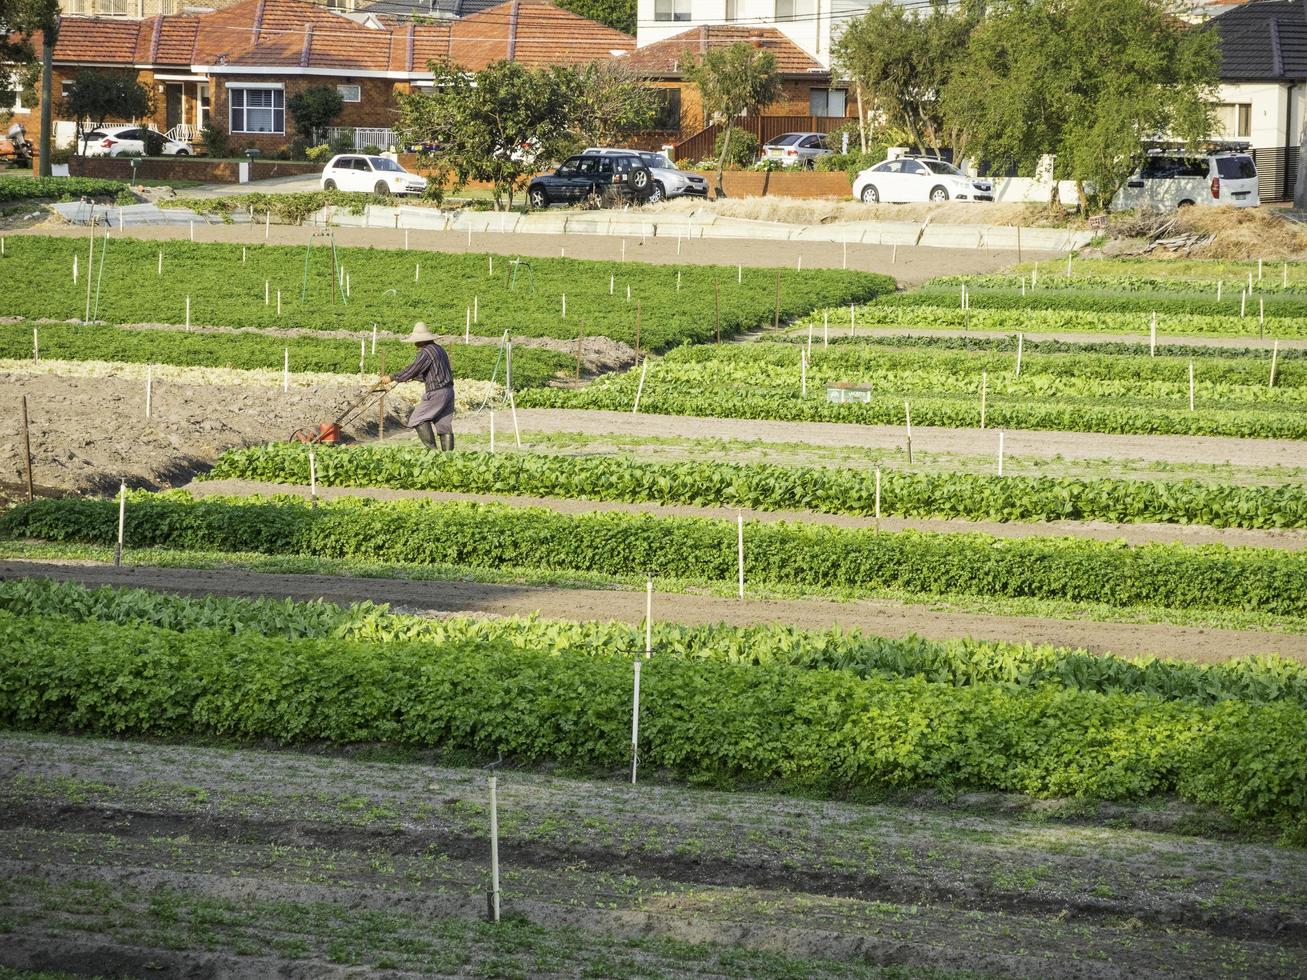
pixel 149 388
pixel 347 285
pixel 803 373
pixel 417 272
pixel 1243 301
pixel 36 345
pixel 612 282
pixel 188 311
pixel 1259 267
pixel 278 302
pixel 494 849
pixel 1152 336
pixel 825 328
pixel 1068 266
pixel 476 309
pixel 562 252
pixel 639 390
pixel 739 274
pixel 1284 275
pixel 1219 284
pixel 1191 386
pixel 363 353
pixel 628 292
pixel 893 253
pixel 405 239
pixel 739 523
pixel 1250 282
pixel 1034 276
pixel 266 295
pixel 74 270
pixel 877 493
pixel 845 263
pixel 512 407
pixel 678 280
pixel 799 264
pixel 492 430
pixel 313 477
pixel 490 261
pixel 1275 353
pixel 467 327
pixel 160 269
pixel 1021 342
pixel 623 249
pixel 243 256
pixel 122 522
pixel 192 224
pixel 469 236
pixel 374 338
pixel 267 223
pixel 648 617
pixel 285 370
pixel 564 306
pixel 635 721
pixel 984 394
pixel 1000 452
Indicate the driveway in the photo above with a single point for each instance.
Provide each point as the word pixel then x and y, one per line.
pixel 273 185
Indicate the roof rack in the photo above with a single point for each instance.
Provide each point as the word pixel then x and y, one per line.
pixel 1197 146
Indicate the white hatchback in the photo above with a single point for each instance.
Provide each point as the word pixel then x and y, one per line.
pixel 115 141
pixel 910 180
pixel 370 175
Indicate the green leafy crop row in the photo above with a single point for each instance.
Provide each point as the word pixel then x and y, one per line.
pixel 958 663
pixel 768 486
pixel 1205 288
pixel 1280 304
pixel 387 287
pixel 712 722
pixel 811 557
pixel 63 188
pixel 531 366
pixel 1060 392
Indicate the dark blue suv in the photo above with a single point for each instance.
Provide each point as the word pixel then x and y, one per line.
pixel 593 179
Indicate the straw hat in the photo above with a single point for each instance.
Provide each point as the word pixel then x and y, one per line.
pixel 420 334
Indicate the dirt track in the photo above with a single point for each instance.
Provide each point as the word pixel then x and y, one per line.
pixel 1285 540
pixel 175 861
pixel 882 617
pixel 925 439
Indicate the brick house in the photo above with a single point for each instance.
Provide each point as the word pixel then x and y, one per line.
pixel 809 100
pixel 240 64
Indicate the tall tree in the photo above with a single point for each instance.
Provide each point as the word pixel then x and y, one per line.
pixel 902 60
pixel 733 81
pixel 313 109
pixel 98 96
pixel 1088 81
pixel 19 21
pixel 607 102
pixel 495 125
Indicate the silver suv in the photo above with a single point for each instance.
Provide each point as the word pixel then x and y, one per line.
pixel 668 181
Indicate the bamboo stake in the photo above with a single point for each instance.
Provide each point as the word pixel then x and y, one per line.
pixel 717 308
pixel 494 849
pixel 27 451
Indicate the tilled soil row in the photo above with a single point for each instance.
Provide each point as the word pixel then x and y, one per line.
pixel 882 617
pixel 1191 534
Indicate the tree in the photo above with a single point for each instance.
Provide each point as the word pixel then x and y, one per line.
pixel 607 102
pixel 733 81
pixel 313 109
pixel 901 63
pixel 1088 81
pixel 617 14
pixel 97 96
pixel 19 20
pixel 493 125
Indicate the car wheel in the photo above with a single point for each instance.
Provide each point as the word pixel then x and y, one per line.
pixel 328 184
pixel 536 198
pixel 640 183
pixel 381 190
pixel 1185 204
pixel 182 153
pixel 657 194
pixel 809 164
pixel 870 195
pixel 939 195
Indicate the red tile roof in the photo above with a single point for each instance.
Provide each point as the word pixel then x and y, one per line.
pixel 666 58
pixel 298 34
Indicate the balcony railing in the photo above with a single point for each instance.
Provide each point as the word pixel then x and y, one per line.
pixel 362 136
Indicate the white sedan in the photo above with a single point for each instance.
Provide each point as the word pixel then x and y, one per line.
pixel 912 179
pixel 114 141
pixel 370 175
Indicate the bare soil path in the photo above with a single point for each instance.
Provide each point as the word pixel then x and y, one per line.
pixel 245 863
pixel 926 439
pixel 909 265
pixel 1191 534
pixel 882 617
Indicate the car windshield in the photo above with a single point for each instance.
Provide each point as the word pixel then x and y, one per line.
pixel 381 163
pixel 940 167
pixel 658 161
pixel 1236 168
pixel 786 139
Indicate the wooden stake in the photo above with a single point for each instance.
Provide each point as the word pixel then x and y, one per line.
pixel 494 849
pixel 635 718
pixel 313 478
pixel 381 402
pixel 26 446
pixel 717 308
pixel 36 344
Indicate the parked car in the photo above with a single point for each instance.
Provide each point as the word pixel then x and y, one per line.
pixel 369 174
pixel 114 141
pixel 908 180
pixel 594 177
pixel 1168 180
pixel 797 149
pixel 668 182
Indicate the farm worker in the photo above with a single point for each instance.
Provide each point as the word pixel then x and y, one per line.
pixel 436 409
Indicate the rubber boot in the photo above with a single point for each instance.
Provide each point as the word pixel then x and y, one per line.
pixel 447 442
pixel 426 435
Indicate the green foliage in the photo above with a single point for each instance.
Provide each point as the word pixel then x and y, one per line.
pixel 264 351
pixel 1065 392
pixel 958 663
pixel 1279 306
pixel 214 137
pixel 853 162
pixel 607 102
pixel 319 154
pixel 738 80
pixel 811 557
pixel 97 96
pixel 59 188
pixel 617 14
pixel 1085 80
pixel 703 720
pixel 313 109
pixel 224 290
pixel 767 486
pixel 736 146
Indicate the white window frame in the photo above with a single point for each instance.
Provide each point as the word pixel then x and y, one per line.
pixel 672 10
pixel 17 82
pixel 1240 113
pixel 277 105
pixel 357 89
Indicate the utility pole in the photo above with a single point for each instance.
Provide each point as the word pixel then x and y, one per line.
pixel 49 36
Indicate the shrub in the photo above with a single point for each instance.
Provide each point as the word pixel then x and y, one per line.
pixel 372 149
pixel 320 153
pixel 743 151
pixel 215 139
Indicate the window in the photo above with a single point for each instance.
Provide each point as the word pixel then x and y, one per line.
pixel 671 9
pixel 794 9
pixel 912 167
pixel 11 93
pixel 827 101
pixel 667 110
pixel 1234 119
pixel 257 110
pixel 1171 168
pixel 350 93
pixel 1236 168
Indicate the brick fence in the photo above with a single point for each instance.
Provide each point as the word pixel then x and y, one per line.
pixel 186 168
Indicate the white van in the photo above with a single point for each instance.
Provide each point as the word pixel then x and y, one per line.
pixel 1168 180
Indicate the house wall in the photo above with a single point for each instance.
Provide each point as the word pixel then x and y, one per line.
pixel 812 27
pixel 1276 120
pixel 376 108
pixel 794 101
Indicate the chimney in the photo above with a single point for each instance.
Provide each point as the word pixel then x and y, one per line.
pixel 756 38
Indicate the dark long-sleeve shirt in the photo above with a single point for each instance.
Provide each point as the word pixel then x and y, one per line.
pixel 432 366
